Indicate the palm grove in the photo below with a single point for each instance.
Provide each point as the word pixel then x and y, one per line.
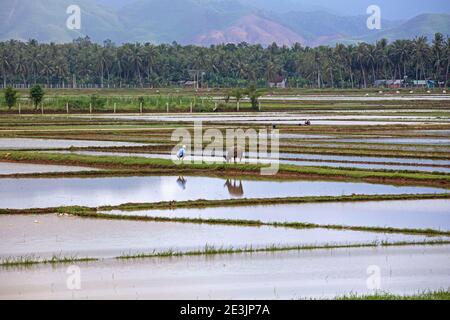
pixel 85 63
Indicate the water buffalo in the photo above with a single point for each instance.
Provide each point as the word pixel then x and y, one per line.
pixel 234 154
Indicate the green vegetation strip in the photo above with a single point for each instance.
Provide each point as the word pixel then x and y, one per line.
pixel 258 223
pixel 33 260
pixel 171 205
pixel 210 250
pixel 437 179
pixel 425 295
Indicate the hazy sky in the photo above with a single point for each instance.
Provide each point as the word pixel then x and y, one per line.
pixel 391 9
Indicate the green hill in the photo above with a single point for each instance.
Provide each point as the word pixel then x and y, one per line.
pixel 180 21
pixel 422 25
pixel 45 20
pixel 320 27
pixel 202 22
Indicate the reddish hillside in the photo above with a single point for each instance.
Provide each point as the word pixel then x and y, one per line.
pixel 251 29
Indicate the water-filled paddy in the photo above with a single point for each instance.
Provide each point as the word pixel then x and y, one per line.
pixel 427 141
pixel 284 118
pixel 218 159
pixel 367 166
pixel 365 159
pixel 281 275
pixel 43 193
pixel 42 144
pixel 23 168
pixel 49 235
pixel 411 214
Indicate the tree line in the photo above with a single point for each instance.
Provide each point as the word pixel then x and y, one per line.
pixel 84 63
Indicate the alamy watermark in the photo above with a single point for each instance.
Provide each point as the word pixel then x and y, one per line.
pixel 374 20
pixel 373 282
pixel 237 145
pixel 73 281
pixel 73 22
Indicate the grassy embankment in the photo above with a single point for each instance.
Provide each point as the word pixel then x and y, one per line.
pixel 243 202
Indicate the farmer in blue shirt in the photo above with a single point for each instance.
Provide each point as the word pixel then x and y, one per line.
pixel 181 153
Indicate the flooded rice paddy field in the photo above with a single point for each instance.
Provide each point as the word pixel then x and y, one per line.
pixel 284 119
pixel 281 275
pixel 409 165
pixel 27 193
pixel 316 273
pixel 431 141
pixel 319 158
pixel 411 214
pixel 324 157
pixel 42 144
pixel 24 168
pixel 47 235
pixel 384 140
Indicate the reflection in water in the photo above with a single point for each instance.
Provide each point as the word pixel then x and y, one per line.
pixel 234 188
pixel 182 182
pixel 48 192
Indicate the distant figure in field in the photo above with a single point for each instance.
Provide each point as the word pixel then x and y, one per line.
pixel 234 153
pixel 307 123
pixel 181 153
pixel 235 189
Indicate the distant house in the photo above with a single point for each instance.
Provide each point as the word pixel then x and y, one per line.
pixel 189 84
pixel 393 84
pixel 277 82
pixel 424 83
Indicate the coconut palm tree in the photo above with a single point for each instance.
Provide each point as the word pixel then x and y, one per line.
pixel 438 50
pixel 421 53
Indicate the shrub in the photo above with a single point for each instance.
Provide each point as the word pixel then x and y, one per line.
pixel 36 95
pixel 10 97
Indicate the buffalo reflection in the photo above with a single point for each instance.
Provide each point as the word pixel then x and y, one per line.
pixel 235 188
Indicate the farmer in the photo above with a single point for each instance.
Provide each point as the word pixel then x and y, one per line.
pixel 181 153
